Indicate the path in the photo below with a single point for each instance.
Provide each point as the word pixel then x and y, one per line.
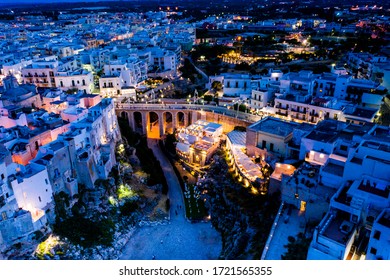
pixel 178 240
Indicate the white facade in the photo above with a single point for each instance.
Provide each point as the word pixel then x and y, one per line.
pixel 81 80
pixel 15 68
pixel 41 72
pixel 378 247
pixel 32 188
pixel 237 85
pixel 10 119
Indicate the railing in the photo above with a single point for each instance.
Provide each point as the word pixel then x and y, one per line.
pixel 271 234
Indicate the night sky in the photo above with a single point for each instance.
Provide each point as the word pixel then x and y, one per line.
pixel 46 1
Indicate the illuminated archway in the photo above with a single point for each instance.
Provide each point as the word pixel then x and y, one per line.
pixel 153 125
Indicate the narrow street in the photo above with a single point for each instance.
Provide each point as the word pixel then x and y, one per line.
pixel 179 239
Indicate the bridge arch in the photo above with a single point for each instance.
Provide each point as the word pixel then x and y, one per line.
pixel 154 124
pixel 124 115
pixel 168 124
pixel 139 121
pixel 181 119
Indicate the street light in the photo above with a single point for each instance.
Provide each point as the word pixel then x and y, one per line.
pixel 239 102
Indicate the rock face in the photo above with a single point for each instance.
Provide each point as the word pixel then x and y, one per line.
pixel 242 219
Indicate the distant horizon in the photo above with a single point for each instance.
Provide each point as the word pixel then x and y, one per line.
pixel 57 1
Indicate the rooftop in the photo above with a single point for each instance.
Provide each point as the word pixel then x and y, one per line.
pixel 247 167
pixel 376 146
pixel 29 171
pixel 322 136
pixel 335 169
pixel 274 126
pixel 378 188
pixel 337 228
pixel 363 113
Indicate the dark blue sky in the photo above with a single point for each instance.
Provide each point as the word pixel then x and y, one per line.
pixel 46 1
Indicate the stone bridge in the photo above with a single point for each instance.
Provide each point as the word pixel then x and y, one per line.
pixel 155 120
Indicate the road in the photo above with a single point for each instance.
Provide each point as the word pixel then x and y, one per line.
pixel 179 239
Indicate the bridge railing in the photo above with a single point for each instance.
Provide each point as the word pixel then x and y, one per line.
pixel 196 107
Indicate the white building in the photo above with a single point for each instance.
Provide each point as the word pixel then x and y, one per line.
pixel 32 189
pixel 269 137
pixel 312 98
pixel 198 142
pixel 41 72
pixel 163 62
pixel 79 80
pixel 15 68
pixel 378 247
pixel 345 230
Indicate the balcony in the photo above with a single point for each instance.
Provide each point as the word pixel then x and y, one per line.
pixel 282 113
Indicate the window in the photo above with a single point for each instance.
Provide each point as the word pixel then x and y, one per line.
pixel 377 235
pixel 264 144
pixel 343 147
pixel 73 83
pixel 271 147
pixel 56 173
pixel 2 176
pixel 46 181
pixel 373 251
pixel 40 200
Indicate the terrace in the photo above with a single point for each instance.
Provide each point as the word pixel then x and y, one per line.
pixel 334 169
pixel 246 166
pixel 337 228
pixel 377 188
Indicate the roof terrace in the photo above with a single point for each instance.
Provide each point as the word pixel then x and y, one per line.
pixel 337 228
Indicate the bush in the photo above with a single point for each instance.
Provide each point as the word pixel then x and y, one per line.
pixel 128 208
pixel 86 232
